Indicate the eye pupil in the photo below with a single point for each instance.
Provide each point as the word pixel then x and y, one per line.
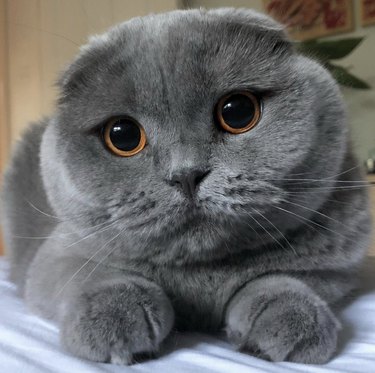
pixel 125 135
pixel 238 110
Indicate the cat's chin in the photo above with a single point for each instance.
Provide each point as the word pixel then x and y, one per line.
pixel 189 230
pixel 194 218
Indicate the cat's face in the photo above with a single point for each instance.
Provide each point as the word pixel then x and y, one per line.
pixel 168 73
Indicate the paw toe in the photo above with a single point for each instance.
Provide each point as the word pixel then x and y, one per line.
pixel 120 357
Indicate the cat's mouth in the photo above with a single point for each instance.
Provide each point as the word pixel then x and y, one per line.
pixel 195 217
pixel 188 216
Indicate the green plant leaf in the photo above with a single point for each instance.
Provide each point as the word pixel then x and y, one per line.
pixel 345 78
pixel 309 48
pixel 329 50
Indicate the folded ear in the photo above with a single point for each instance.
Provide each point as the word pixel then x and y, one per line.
pixel 247 17
pixel 247 20
pixel 80 71
pixel 92 57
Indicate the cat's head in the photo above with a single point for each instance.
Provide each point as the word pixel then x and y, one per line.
pixel 184 126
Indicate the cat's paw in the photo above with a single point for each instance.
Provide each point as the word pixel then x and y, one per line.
pixel 290 328
pixel 113 322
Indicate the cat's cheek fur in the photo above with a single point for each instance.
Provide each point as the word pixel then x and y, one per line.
pixel 61 191
pixel 280 318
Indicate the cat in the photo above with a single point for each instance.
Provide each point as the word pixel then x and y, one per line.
pixel 197 174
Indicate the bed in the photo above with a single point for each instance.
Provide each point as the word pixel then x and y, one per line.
pixel 30 344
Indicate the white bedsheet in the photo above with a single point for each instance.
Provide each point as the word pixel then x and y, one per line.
pixel 29 344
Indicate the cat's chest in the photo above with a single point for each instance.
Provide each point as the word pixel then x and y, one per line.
pixel 199 294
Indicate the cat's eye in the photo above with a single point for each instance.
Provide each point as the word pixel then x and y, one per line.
pixel 124 136
pixel 238 112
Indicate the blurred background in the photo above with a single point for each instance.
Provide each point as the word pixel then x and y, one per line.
pixel 38 38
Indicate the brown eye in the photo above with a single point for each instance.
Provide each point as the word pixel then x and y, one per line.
pixel 238 112
pixel 124 136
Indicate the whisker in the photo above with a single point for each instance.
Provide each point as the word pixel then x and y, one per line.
pixel 316 212
pixel 93 256
pixel 104 257
pixel 307 199
pixel 331 176
pixel 91 234
pixel 42 212
pixel 277 229
pixel 85 264
pixel 110 252
pixel 269 233
pixel 257 234
pixel 304 181
pixel 305 223
pixel 312 222
pixel 70 218
pixel 61 235
pixel 38 237
pixel 317 189
pixel 345 172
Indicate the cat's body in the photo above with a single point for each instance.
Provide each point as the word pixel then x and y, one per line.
pixel 275 232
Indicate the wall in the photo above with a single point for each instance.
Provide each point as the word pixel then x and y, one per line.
pixel 4 134
pixel 44 35
pixel 361 104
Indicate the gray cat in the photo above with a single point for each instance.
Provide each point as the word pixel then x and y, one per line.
pixel 196 175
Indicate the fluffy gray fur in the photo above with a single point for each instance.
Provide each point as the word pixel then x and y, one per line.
pixel 118 255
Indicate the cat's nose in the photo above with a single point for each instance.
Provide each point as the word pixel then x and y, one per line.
pixel 188 180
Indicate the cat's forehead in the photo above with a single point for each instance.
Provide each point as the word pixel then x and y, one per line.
pixel 225 41
pixel 186 56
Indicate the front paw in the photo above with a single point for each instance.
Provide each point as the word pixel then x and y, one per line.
pixel 113 322
pixel 287 327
